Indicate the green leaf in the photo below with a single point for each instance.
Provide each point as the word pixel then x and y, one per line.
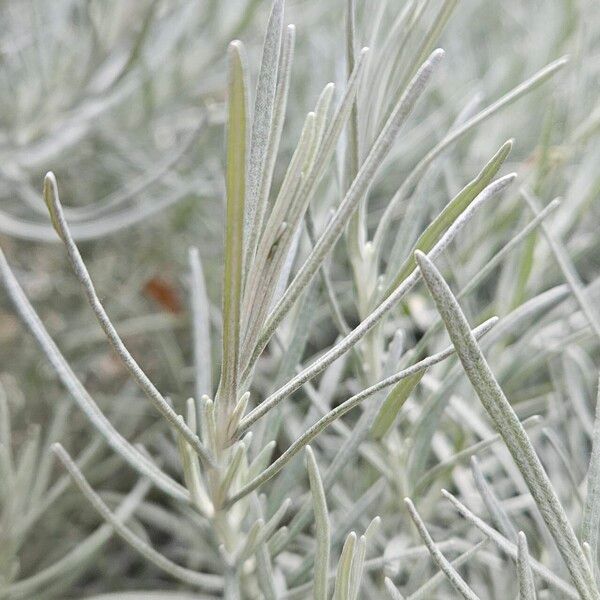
pixel 417 174
pixel 393 403
pixel 234 228
pixel 451 212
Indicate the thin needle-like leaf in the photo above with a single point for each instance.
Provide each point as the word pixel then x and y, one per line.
pixel 345 407
pixel 264 267
pixel 442 562
pixel 508 425
pixel 451 212
pixel 511 549
pixel 491 264
pixel 201 327
pixel 375 317
pixel 322 528
pixel 525 576
pixel 430 476
pixel 455 134
pixel 498 514
pixel 263 127
pixel 430 38
pixel 234 228
pixel 567 267
pixel 281 98
pixel 86 403
pixel 590 522
pixel 391 590
pixel 424 592
pixel 367 172
pixel 162 406
pixel 310 181
pixel 202 580
pixel 341 590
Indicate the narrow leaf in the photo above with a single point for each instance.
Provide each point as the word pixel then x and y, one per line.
pixel 364 178
pixel 451 212
pixel 442 562
pixel 393 403
pixel 510 548
pixel 491 502
pixel 322 528
pixel 525 576
pixel 201 326
pixel 344 569
pixel 55 208
pixel 454 135
pixel 136 459
pixel 508 425
pixel 391 590
pixel 591 512
pixel 262 126
pixel 188 576
pixel 340 410
pixel 234 225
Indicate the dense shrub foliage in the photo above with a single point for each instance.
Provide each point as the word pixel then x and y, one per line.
pixel 272 337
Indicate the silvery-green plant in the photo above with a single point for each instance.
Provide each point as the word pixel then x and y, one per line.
pixel 254 518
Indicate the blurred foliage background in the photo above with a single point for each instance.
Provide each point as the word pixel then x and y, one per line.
pixel 124 101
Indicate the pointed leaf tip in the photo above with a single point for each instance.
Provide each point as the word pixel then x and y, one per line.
pixel 50 195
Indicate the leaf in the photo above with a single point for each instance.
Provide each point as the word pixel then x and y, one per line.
pixel 567 267
pixel 508 425
pixel 591 513
pixel 424 592
pixel 431 37
pixel 349 204
pixel 524 574
pixel 450 213
pixel 416 175
pixel 442 562
pixel 234 226
pixel 136 459
pixel 446 466
pixel 201 327
pixel 392 592
pixel 393 403
pixel 322 528
pixel 188 576
pixel 344 569
pixel 263 127
pixel 497 512
pixel 80 270
pixel 341 409
pixel 301 200
pixel 341 347
pixel 510 548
